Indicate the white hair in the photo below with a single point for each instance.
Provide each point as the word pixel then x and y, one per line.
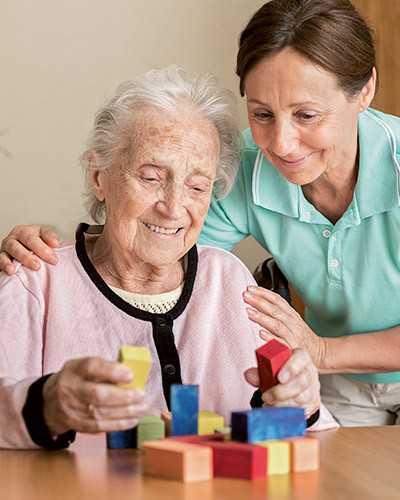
pixel 167 89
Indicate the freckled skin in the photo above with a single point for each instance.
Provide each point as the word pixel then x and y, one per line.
pixel 167 182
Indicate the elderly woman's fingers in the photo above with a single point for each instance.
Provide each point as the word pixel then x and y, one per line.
pixel 98 369
pixel 23 240
pixel 299 363
pixel 298 384
pixel 74 398
pixel 252 377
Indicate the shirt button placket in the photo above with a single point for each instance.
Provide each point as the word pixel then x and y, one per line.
pixel 334 255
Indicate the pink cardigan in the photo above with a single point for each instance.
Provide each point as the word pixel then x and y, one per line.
pixel 59 313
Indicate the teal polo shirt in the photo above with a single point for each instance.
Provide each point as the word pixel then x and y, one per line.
pixel 348 273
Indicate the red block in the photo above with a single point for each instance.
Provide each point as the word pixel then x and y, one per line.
pixel 199 439
pixel 270 358
pixel 237 460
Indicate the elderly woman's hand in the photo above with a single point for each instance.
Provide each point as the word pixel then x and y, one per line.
pixel 282 322
pixel 298 384
pixel 41 240
pixel 83 397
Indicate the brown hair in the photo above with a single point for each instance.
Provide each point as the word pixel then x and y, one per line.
pixel 330 33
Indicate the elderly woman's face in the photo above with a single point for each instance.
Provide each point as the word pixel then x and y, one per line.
pixel 301 120
pixel 157 203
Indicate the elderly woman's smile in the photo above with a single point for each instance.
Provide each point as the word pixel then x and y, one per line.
pixel 156 198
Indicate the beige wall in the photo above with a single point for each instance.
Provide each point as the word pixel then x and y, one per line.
pixel 60 59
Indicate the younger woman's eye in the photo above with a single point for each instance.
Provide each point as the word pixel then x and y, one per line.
pixel 262 116
pixel 303 115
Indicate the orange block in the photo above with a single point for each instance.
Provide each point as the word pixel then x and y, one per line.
pixel 166 417
pixel 305 454
pixel 177 460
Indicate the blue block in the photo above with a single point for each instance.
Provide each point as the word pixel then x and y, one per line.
pixel 263 424
pixel 122 439
pixel 184 409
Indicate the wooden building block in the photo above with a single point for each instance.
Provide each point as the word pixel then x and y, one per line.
pixel 199 439
pixel 226 431
pixel 236 460
pixel 304 454
pixel 173 459
pixel 262 424
pixel 278 456
pixel 138 359
pixel 121 439
pixel 166 417
pixel 270 358
pixel 149 428
pixel 184 409
pixel 208 422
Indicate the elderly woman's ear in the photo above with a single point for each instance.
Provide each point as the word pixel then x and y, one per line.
pixel 95 177
pixel 368 91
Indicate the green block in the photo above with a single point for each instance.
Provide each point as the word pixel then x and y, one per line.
pixel 226 431
pixel 149 428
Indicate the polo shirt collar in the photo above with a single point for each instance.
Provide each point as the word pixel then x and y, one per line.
pixel 377 189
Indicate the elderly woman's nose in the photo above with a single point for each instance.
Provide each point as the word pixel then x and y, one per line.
pixel 171 205
pixel 283 139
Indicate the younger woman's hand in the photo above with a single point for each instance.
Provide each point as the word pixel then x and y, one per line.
pixel 282 322
pixel 24 244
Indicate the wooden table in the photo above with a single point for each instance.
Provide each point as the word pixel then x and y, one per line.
pixel 356 463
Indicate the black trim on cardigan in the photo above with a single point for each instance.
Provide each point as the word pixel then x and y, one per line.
pixel 162 323
pixel 34 421
pixel 257 402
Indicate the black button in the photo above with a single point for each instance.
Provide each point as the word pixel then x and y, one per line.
pixel 161 322
pixel 169 369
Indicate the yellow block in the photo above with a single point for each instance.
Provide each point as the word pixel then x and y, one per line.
pixel 208 422
pixel 278 461
pixel 138 359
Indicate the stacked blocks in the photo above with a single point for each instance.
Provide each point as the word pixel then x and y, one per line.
pixel 269 440
pixel 185 409
pixel 262 424
pixel 270 358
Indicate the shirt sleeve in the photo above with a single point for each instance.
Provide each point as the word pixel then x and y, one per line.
pixel 21 345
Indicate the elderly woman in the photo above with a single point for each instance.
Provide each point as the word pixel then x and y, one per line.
pixel 318 187
pixel 158 149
